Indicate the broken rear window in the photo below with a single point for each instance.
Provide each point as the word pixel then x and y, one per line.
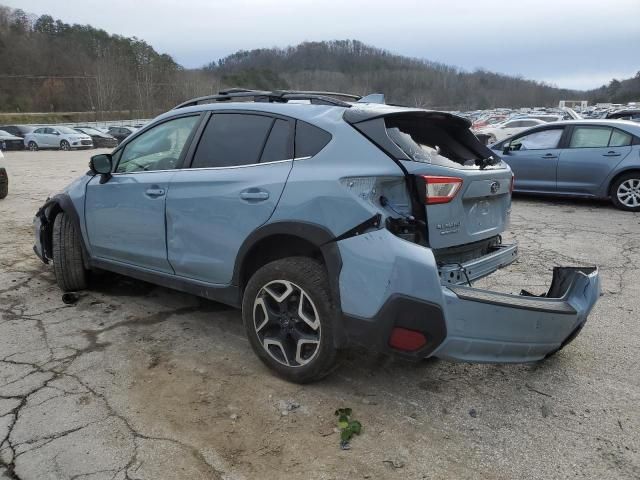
pixel 433 141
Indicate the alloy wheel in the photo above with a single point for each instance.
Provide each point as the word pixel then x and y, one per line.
pixel 33 146
pixel 629 192
pixel 287 323
pixel 64 145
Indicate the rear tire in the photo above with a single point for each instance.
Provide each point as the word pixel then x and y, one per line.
pixel 33 146
pixel 289 317
pixel 4 183
pixel 625 192
pixel 68 265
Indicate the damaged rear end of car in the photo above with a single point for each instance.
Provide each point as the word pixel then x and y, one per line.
pixel 410 284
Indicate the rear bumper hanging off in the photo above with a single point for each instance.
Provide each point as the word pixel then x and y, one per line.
pixel 388 285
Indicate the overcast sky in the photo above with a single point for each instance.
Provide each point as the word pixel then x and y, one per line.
pixel 571 43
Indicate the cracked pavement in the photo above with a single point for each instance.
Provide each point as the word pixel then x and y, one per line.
pixel 140 382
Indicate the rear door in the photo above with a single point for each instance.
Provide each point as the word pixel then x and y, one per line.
pixel 125 217
pixel 533 157
pixel 239 168
pixel 591 153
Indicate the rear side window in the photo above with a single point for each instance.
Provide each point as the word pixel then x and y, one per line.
pixel 590 137
pixel 232 139
pixel 309 139
pixel 278 146
pixel 620 139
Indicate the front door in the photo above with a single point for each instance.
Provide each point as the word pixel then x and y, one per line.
pixel 238 173
pixel 533 157
pixel 125 216
pixel 592 153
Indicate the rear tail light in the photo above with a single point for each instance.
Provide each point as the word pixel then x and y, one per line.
pixel 441 189
pixel 513 178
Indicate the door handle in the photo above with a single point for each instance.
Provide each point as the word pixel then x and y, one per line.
pixel 549 155
pixel 611 153
pixel 254 195
pixel 154 192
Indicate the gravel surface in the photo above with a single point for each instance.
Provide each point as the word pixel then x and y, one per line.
pixel 137 381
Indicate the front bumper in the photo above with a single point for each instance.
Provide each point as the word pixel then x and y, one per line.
pixel 17 144
pixel 387 282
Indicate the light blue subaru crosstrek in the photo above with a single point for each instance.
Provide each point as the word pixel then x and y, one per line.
pixel 329 219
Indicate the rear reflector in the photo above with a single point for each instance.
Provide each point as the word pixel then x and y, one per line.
pixel 441 189
pixel 407 340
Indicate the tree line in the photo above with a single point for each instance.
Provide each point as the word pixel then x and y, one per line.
pixel 48 65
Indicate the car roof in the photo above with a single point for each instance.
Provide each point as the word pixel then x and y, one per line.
pixel 317 113
pixel 626 125
pixel 301 111
pixel 605 122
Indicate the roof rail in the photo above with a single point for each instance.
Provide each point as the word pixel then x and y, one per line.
pixel 278 96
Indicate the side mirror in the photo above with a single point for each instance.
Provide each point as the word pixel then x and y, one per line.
pixel 101 165
pixel 56 133
pixel 506 148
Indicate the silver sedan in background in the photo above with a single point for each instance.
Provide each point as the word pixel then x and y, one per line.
pixel 63 138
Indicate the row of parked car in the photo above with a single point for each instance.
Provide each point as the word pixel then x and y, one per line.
pixel 19 137
pixel 493 126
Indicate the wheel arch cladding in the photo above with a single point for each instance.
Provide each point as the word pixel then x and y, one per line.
pixel 286 239
pixel 48 212
pixel 619 174
pixel 278 240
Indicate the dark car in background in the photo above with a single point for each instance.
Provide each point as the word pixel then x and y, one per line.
pixel 581 158
pixel 120 133
pixel 17 130
pixel 100 139
pixel 10 142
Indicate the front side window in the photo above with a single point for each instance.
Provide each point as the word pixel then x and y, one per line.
pixel 232 139
pixel 541 140
pixel 590 137
pixel 66 130
pixel 159 148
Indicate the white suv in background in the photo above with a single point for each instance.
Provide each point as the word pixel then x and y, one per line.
pixel 64 138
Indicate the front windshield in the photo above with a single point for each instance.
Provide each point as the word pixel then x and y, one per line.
pixel 66 130
pixel 90 131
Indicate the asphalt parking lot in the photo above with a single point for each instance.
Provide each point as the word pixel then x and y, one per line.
pixel 137 381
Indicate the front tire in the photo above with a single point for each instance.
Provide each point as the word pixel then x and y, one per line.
pixel 68 265
pixel 64 145
pixel 4 183
pixel 289 317
pixel 625 192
